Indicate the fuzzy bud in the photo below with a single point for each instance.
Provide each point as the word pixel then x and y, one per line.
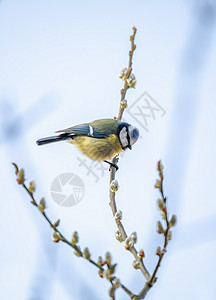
pixel 160 203
pixel 163 214
pixel 119 236
pixel 118 215
pixel 42 205
pixel 111 292
pixel 136 264
pixel 134 237
pixel 124 104
pixel 107 274
pixel 129 243
pixel 100 261
pixel 123 74
pixel 75 238
pixel 31 187
pixel 134 29
pixel 100 273
pixel 56 224
pixel 169 235
pixel 160 167
pixel 141 254
pixel 158 251
pixel 86 253
pixel 159 227
pixel 114 186
pixel 112 269
pixel 158 184
pixel 21 176
pixel 78 253
pixel 56 237
pixel 131 81
pixel 173 221
pixel 116 283
pixel 108 258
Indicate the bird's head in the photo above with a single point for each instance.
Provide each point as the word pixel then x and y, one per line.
pixel 128 135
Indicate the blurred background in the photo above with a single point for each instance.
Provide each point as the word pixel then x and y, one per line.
pixel 59 66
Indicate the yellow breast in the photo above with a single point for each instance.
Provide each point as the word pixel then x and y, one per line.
pixel 98 149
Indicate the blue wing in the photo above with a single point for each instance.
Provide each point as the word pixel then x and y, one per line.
pixel 84 129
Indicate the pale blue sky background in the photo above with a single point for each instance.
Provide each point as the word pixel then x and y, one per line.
pixel 59 66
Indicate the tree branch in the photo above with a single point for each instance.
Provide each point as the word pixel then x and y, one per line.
pixel 60 237
pixel 125 76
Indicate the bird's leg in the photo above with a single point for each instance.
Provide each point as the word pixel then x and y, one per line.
pixel 112 165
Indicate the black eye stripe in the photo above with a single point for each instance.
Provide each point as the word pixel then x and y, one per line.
pixel 124 125
pixel 128 136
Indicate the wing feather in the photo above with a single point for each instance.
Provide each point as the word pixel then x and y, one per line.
pixel 85 130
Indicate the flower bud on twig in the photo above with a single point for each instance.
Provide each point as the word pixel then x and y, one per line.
pixel 158 251
pixel 160 227
pixel 158 185
pixel 112 291
pixel 141 254
pixel 160 203
pixel 112 269
pixel 21 177
pixel 163 214
pixel 56 237
pixel 131 81
pixel 116 283
pixel 86 253
pixel 107 274
pixel 31 187
pixel 75 238
pixel 56 224
pixel 128 243
pixel 100 261
pixel 78 253
pixel 134 237
pixel 123 73
pixel 108 258
pixel 173 221
pixel 42 205
pixel 160 167
pixel 114 186
pixel 100 273
pixel 124 104
pixel 169 235
pixel 136 264
pixel 119 236
pixel 134 29
pixel 118 215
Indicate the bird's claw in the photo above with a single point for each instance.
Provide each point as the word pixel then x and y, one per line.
pixel 112 165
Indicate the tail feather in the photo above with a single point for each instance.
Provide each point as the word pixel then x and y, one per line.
pixel 53 139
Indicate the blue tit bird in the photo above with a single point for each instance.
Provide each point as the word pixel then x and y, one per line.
pixel 99 140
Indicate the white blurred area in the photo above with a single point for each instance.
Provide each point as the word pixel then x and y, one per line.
pixel 59 66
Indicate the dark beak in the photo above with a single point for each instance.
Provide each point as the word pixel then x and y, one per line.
pixel 129 146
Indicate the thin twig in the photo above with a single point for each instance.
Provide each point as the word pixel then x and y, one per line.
pixel 153 276
pixel 115 160
pixel 148 285
pixel 127 291
pixel 63 238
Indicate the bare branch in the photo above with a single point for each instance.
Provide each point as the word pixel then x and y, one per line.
pixel 125 76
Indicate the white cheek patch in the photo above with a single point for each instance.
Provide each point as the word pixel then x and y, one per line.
pixel 123 137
